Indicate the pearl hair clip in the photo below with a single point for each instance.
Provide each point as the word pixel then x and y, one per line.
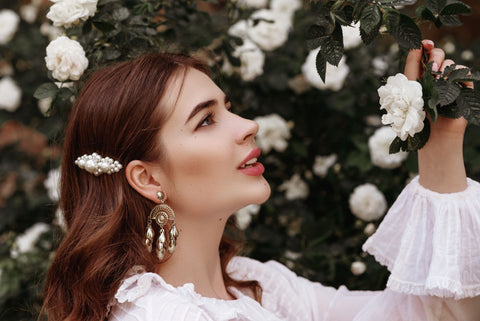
pixel 97 164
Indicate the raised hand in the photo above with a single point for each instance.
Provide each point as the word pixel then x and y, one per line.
pixel 440 161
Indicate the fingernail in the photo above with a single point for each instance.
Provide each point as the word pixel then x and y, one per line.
pixel 430 42
pixel 435 66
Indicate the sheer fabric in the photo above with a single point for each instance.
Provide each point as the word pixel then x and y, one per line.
pixel 427 240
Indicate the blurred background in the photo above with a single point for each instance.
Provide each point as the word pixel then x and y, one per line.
pixel 323 144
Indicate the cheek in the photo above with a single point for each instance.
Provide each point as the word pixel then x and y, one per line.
pixel 200 168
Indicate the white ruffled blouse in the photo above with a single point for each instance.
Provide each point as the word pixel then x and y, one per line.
pixel 430 242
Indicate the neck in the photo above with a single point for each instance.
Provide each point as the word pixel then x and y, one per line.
pixel 196 258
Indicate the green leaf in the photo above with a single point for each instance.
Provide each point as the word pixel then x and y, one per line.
pixel 103 26
pixel 452 110
pixel 64 93
pixel 104 2
pixel 456 8
pixel 432 106
pixel 120 14
pixel 314 34
pixel 111 53
pixel 449 69
pixel 447 91
pixel 404 30
pixel 45 90
pixel 87 27
pixel 370 19
pixel 469 105
pixel 332 46
pixel 435 6
pixel 397 145
pixel 397 2
pixel 419 139
pixel 321 64
pixel 425 14
pixel 368 38
pixel 458 74
pixel 451 21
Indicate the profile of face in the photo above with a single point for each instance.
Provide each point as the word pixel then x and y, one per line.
pixel 210 165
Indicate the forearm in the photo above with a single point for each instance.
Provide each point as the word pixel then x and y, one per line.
pixel 440 161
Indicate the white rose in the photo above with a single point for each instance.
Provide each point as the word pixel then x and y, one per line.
pixel 239 29
pixel 252 3
pixel 65 13
pixel 60 220
pixel 449 48
pixel 369 229
pixel 286 7
pixel 373 120
pixel 10 94
pixel 335 76
pixel 367 202
pixel 323 163
pixel 402 99
pixel 243 216
pixel 52 184
pixel 44 104
pixel 379 146
pixel 358 268
pixel 8 25
pixel 467 55
pixel 252 60
pixel 271 29
pixel 273 132
pixel 351 36
pixel 295 188
pixel 29 12
pixel 50 31
pixel 380 65
pixel 26 241
pixel 66 59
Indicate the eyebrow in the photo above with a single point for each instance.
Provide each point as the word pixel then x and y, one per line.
pixel 203 105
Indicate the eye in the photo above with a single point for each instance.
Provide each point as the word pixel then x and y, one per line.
pixel 207 121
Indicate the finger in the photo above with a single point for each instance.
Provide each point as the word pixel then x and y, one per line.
pixel 445 64
pixel 469 84
pixel 436 55
pixel 413 65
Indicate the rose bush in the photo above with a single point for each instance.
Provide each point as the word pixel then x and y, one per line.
pixel 315 142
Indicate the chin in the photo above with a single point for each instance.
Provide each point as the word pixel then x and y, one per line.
pixel 262 194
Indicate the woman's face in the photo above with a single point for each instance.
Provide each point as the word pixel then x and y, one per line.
pixel 206 148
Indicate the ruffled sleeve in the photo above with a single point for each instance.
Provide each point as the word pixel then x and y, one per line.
pixel 430 242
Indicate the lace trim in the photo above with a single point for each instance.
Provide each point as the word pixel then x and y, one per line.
pixel 429 242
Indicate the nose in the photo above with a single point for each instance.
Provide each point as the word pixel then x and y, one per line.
pixel 247 129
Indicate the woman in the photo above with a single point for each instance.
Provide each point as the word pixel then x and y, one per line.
pixel 145 226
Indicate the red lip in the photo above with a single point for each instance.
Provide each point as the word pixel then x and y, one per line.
pixel 255 153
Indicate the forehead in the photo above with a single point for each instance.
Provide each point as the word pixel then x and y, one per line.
pixel 187 89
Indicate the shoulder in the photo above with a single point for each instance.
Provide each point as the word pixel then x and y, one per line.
pixel 146 296
pixel 244 268
pixel 283 291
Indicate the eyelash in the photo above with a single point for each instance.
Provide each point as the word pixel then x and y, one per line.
pixel 207 117
pixel 210 116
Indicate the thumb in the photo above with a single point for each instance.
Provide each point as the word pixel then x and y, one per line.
pixel 413 65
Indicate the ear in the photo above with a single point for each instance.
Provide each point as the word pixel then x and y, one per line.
pixel 142 177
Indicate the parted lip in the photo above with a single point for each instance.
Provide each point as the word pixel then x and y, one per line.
pixel 253 154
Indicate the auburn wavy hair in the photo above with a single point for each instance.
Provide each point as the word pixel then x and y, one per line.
pixel 117 114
